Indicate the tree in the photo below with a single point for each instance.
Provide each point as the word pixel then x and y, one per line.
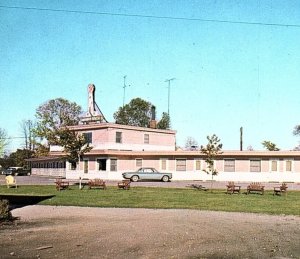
pixel 53 115
pixel 211 151
pixel 74 144
pixel 191 143
pixel 17 158
pixel 165 122
pixel 3 141
pixel 270 146
pixel 136 113
pixel 297 130
pixel 27 127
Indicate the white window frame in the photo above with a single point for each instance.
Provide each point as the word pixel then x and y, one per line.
pixel 176 164
pixel 167 164
pixel 254 159
pixel 121 138
pixel 232 159
pixel 146 139
pixel 136 161
pixel 117 164
pixel 195 164
pixel 292 164
pixel 270 164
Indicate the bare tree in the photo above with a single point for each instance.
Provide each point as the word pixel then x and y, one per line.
pixel 3 141
pixel 27 127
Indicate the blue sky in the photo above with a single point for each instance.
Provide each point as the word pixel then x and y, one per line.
pixel 228 75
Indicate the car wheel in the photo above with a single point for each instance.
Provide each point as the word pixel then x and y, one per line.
pixel 165 178
pixel 134 178
pixel 28 174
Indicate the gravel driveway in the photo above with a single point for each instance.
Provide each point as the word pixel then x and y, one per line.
pixel 75 232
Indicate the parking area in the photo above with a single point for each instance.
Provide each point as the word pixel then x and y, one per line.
pixel 46 180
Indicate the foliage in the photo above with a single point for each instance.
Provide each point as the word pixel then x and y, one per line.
pixel 136 113
pixel 297 130
pixel 41 150
pixel 3 141
pixel 165 122
pixel 191 143
pixel 5 214
pixel 164 198
pixel 75 144
pixel 17 158
pixel 211 151
pixel 270 146
pixel 54 114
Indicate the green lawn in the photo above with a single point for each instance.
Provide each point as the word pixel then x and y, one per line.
pixel 166 198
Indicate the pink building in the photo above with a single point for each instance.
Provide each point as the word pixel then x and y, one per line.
pixel 118 148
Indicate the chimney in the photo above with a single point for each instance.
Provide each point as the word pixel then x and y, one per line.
pixel 153 115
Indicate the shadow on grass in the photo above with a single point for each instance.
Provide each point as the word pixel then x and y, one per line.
pixel 19 200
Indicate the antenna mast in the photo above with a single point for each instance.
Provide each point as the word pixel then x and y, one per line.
pixel 124 87
pixel 169 84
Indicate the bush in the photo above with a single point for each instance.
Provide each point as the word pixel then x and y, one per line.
pixel 5 214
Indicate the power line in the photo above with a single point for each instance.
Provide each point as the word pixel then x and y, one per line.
pixel 152 16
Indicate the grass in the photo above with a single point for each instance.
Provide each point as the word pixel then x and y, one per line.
pixel 165 198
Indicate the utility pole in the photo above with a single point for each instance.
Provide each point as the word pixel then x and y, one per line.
pixel 124 86
pixel 169 86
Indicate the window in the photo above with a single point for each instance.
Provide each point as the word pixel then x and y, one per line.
pixel 85 166
pixel 229 165
pixel 138 162
pixel 288 165
pixel 113 164
pixel 73 166
pixel 163 164
pixel 146 138
pixel 88 137
pixel 118 137
pixel 197 164
pixel 274 166
pixel 101 164
pixel 180 164
pixel 255 165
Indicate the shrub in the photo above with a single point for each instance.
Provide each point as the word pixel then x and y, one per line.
pixel 5 214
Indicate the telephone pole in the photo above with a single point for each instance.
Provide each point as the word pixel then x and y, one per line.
pixel 169 86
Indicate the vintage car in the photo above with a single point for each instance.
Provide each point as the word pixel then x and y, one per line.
pixel 16 171
pixel 147 173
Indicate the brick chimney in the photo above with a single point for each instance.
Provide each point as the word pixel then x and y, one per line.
pixel 153 122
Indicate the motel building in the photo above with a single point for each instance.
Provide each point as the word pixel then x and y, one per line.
pixel 120 148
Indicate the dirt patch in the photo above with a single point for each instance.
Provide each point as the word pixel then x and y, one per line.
pixel 68 232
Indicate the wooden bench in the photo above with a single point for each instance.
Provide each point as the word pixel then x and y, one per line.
pixel 97 183
pixel 125 185
pixel 256 187
pixel 61 185
pixel 232 188
pixel 278 190
pixel 198 187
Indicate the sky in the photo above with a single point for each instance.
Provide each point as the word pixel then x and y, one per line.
pixel 235 63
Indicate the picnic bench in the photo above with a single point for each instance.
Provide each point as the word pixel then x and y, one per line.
pixel 198 187
pixel 97 183
pixel 125 185
pixel 278 190
pixel 61 185
pixel 232 188
pixel 256 187
pixel 11 181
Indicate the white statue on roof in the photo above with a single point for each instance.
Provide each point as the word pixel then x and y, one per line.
pixel 94 113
